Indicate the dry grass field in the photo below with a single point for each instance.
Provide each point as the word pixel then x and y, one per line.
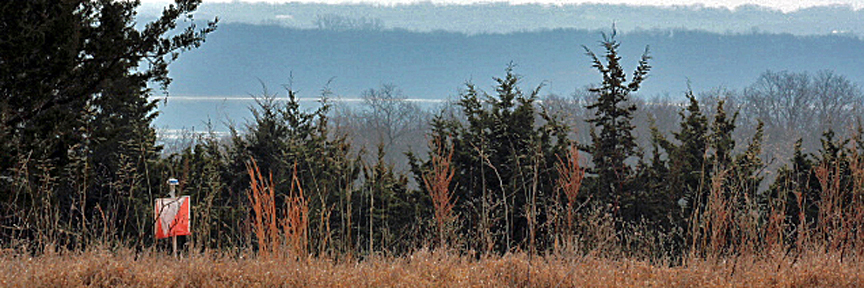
pixel 124 268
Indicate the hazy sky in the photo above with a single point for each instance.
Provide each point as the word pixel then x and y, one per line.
pixel 785 5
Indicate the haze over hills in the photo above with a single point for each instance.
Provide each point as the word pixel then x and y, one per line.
pixel 429 51
pixel 436 64
pixel 502 17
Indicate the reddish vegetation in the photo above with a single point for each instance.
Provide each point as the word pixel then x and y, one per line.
pixel 437 182
pixel 294 219
pixel 571 175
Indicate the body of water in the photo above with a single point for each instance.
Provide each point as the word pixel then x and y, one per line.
pixel 182 115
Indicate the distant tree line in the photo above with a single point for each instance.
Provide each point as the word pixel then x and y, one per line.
pixel 334 22
pixel 499 171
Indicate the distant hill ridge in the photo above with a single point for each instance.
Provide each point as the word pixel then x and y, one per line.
pixel 434 65
pixel 506 18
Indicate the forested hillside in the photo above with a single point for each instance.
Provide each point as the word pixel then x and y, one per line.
pixel 435 64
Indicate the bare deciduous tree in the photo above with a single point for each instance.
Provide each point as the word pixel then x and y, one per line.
pixel 838 100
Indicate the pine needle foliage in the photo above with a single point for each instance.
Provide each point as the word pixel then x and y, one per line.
pixel 612 139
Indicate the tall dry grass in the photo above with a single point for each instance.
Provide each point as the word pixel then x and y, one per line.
pixel 733 224
pixel 841 207
pixel 295 224
pixel 570 176
pixel 437 181
pixel 732 245
pixel 711 226
pixel 262 198
pixel 292 239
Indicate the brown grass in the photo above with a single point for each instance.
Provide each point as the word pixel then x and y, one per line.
pixel 262 197
pixel 437 181
pixel 729 248
pixel 712 227
pixel 266 219
pixel 295 224
pixel 124 268
pixel 820 263
pixel 570 174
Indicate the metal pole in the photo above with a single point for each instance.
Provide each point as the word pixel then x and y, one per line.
pixel 172 183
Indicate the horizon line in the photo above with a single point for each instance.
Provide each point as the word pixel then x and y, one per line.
pixel 282 98
pixel 783 6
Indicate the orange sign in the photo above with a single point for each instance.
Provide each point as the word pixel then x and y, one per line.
pixel 172 217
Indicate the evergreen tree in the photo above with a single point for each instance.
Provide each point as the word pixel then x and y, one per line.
pixel 504 161
pixel 202 169
pixel 797 186
pixel 74 105
pixel 720 144
pixel 687 171
pixel 615 143
pixel 388 216
pixel 721 141
pixel 283 137
pixel 803 185
pixel 747 172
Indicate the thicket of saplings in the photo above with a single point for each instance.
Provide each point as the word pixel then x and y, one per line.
pixel 500 174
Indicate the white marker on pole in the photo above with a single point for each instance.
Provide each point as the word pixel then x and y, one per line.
pixel 172 184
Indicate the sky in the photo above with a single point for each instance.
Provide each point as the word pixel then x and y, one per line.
pixel 784 5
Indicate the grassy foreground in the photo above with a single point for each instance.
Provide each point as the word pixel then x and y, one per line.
pixel 124 268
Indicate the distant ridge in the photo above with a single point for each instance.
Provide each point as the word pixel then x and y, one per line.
pixel 364 46
pixel 435 65
pixel 499 17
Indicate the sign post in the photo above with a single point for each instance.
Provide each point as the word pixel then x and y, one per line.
pixel 172 216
